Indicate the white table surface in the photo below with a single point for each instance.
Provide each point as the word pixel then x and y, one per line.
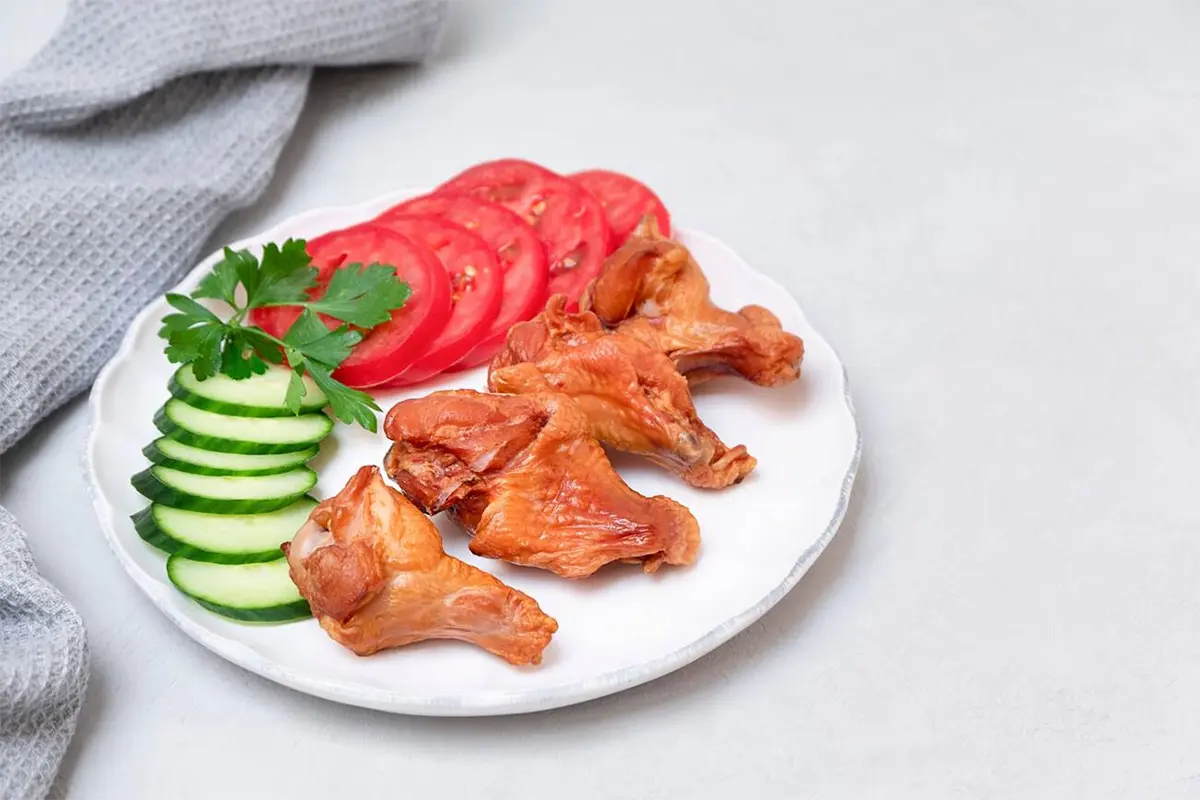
pixel 993 211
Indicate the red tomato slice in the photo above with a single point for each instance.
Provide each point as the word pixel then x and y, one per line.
pixel 569 221
pixel 518 249
pixel 392 347
pixel 625 202
pixel 475 280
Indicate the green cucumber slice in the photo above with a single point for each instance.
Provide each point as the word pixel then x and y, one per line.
pixel 173 453
pixel 256 396
pixel 247 592
pixel 228 434
pixel 222 538
pixel 223 494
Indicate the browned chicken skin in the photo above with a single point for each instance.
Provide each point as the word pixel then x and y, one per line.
pixel 652 289
pixel 632 395
pixel 525 475
pixel 373 570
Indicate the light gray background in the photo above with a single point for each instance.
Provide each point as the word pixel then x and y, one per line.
pixel 993 211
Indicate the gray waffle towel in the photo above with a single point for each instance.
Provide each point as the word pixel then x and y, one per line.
pixel 123 144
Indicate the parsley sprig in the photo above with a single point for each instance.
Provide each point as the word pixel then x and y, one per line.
pixel 359 297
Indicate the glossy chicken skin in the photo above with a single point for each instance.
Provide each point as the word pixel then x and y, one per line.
pixel 525 475
pixel 373 570
pixel 652 289
pixel 632 395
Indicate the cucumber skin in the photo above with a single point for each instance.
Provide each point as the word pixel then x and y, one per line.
pixel 288 612
pixel 179 392
pixel 155 456
pixel 147 528
pixel 169 428
pixel 156 491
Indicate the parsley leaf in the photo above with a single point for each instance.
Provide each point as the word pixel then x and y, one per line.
pixel 309 337
pixel 362 296
pixel 295 390
pixel 348 405
pixel 239 360
pixel 200 346
pixel 221 283
pixel 246 266
pixel 357 296
pixel 194 336
pixel 175 322
pixel 284 276
pixel 191 308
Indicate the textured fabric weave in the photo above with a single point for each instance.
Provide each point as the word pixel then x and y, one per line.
pixel 123 144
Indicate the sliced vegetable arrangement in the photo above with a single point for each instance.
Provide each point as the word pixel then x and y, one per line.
pixel 314 342
pixel 228 481
pixel 393 346
pixel 518 251
pixel 429 286
pixel 481 252
pixel 223 492
pixel 625 201
pixel 475 285
pixel 568 219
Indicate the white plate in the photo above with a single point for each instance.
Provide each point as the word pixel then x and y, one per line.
pixel 618 629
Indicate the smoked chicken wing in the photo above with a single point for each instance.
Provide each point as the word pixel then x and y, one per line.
pixel 652 289
pixel 632 395
pixel 373 570
pixel 525 475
